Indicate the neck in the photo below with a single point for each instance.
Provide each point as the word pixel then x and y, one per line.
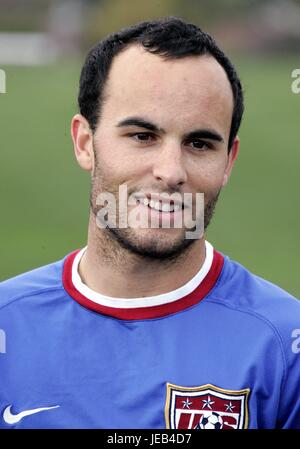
pixel 112 270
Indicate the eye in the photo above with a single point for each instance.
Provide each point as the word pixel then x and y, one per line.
pixel 199 144
pixel 142 137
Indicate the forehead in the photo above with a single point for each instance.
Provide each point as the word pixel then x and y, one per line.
pixel 191 88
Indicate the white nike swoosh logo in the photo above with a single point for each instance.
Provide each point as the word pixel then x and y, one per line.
pixel 10 418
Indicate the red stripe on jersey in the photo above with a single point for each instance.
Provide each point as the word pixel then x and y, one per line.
pixel 141 313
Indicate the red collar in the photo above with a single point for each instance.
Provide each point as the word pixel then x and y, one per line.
pixel 143 313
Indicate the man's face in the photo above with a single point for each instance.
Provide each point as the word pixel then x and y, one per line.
pixel 188 102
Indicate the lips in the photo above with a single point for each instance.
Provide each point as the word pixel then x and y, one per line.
pixel 160 203
pixel 161 206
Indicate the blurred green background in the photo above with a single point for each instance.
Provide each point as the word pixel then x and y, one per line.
pixel 45 195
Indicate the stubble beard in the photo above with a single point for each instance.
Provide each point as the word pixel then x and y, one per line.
pixel 115 242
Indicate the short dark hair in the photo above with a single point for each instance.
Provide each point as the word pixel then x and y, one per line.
pixel 170 37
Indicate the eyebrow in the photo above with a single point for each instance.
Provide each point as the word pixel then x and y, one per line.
pixel 141 123
pixel 203 133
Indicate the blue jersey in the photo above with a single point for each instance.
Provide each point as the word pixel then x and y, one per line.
pixel 221 351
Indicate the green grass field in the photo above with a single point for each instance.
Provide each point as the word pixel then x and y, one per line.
pixel 44 194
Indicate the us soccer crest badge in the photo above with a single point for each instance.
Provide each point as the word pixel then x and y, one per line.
pixel 206 407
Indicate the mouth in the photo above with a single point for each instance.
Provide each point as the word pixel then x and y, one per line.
pixel 160 203
pixel 161 206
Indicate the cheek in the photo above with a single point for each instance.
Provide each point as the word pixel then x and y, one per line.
pixel 112 158
pixel 208 178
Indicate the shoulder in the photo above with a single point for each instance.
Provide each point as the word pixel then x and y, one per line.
pixel 38 281
pixel 258 299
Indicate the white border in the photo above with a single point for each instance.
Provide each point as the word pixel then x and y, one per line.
pixel 208 391
pixel 148 301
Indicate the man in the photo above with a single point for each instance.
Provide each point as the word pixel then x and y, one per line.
pixel 149 326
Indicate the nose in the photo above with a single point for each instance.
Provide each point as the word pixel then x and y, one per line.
pixel 168 166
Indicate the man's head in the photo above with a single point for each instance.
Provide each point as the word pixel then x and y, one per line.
pixel 170 38
pixel 160 108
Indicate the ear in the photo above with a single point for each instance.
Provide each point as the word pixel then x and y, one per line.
pixel 232 156
pixel 82 137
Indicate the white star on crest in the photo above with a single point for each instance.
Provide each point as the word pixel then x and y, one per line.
pixel 186 403
pixel 229 407
pixel 207 402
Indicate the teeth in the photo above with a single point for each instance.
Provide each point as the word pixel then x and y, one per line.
pixel 155 205
pixel 152 204
pixel 166 207
pixel 161 207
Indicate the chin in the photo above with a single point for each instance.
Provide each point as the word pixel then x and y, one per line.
pixel 154 243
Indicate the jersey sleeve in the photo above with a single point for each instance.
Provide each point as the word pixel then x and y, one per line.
pixel 289 407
